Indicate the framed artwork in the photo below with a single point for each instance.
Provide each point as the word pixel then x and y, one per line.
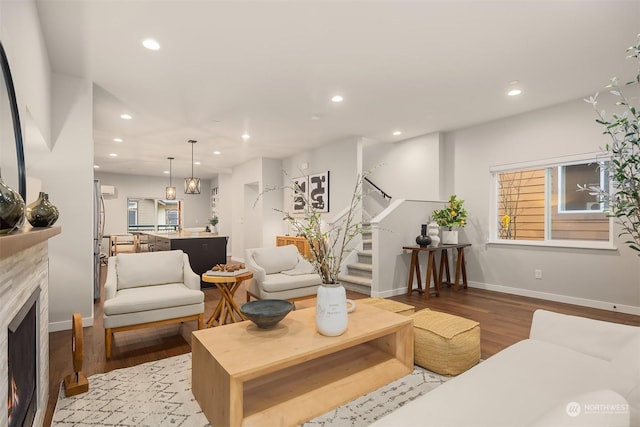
pixel 300 193
pixel 319 191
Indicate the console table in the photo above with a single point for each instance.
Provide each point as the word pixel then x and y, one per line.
pixel 432 268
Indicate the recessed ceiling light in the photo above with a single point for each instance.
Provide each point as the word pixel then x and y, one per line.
pixel 196 163
pixel 126 116
pixel 315 117
pixel 217 153
pixel 165 172
pixel 397 133
pixel 246 136
pixel 117 139
pixel 151 44
pixel 337 98
pixel 514 92
pixel 96 166
pixel 113 155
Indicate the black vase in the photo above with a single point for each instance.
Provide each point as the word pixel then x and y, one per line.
pixel 42 213
pixel 11 209
pixel 423 240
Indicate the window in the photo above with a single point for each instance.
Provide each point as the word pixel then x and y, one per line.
pixel 132 213
pixel 553 203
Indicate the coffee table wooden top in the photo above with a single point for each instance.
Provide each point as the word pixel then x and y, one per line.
pixel 245 351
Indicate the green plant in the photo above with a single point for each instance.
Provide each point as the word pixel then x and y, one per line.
pixel 624 153
pixel 452 215
pixel 214 221
pixel 329 243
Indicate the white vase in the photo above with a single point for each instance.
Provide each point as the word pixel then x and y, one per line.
pixel 449 237
pixel 432 230
pixel 331 310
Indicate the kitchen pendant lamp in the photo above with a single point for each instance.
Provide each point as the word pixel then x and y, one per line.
pixel 170 190
pixel 192 185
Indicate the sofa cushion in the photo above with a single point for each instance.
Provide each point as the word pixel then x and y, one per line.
pixel 625 368
pixel 145 298
pixel 588 336
pixel 281 282
pixel 591 409
pixel 516 386
pixel 275 260
pixel 149 268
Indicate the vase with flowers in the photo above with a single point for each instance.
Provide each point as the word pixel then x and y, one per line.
pixel 329 244
pixel 451 217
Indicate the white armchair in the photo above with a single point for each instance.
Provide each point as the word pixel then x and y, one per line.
pixel 280 273
pixel 150 289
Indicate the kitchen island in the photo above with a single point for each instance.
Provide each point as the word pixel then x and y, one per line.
pixel 204 249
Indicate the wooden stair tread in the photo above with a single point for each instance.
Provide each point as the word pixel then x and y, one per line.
pixel 358 280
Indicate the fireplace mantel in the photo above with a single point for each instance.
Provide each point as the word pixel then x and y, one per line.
pixel 24 268
pixel 13 243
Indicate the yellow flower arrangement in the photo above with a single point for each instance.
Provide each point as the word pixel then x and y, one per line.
pixel 453 215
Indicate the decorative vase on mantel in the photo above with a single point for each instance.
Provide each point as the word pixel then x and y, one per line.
pixel 42 213
pixel 423 240
pixel 331 310
pixel 433 230
pixel 11 209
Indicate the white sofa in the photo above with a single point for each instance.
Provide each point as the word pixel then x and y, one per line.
pixel 150 289
pixel 280 273
pixel 571 371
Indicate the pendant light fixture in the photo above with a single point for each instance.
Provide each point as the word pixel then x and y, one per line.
pixel 192 185
pixel 171 190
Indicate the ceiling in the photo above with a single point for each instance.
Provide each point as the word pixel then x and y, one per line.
pixel 270 68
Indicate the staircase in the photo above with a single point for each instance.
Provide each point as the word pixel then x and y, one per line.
pixel 359 274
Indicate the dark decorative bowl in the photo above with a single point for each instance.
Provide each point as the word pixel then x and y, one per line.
pixel 266 313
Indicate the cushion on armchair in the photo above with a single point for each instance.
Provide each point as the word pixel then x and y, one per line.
pixel 149 268
pixel 275 260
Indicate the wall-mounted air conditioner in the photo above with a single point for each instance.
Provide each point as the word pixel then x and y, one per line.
pixel 108 190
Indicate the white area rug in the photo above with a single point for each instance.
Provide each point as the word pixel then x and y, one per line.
pixel 158 394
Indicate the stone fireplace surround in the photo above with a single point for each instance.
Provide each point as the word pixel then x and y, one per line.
pixel 24 266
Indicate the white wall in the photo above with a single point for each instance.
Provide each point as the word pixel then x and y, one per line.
pixel 196 207
pixel 596 278
pixel 59 111
pixel 340 159
pixel 408 169
pixel 246 173
pixel 66 174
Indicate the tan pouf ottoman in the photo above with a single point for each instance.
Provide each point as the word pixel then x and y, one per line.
pixel 389 305
pixel 446 344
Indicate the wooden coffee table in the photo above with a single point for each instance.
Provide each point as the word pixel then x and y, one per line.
pixel 245 376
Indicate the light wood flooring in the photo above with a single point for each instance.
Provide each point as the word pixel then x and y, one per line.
pixel 504 319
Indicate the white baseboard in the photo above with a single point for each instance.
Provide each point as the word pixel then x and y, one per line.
pixel 584 302
pixel 389 293
pixel 66 324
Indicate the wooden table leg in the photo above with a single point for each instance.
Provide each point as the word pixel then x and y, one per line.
pixel 461 269
pixel 432 271
pixel 411 270
pixel 444 267
pixel 216 313
pixel 418 274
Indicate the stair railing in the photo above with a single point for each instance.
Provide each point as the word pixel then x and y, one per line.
pixel 384 195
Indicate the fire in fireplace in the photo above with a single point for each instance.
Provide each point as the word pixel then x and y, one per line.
pixel 22 398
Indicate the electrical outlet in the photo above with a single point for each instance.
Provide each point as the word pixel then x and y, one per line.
pixel 538 274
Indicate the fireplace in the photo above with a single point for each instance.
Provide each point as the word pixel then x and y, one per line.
pixel 22 364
